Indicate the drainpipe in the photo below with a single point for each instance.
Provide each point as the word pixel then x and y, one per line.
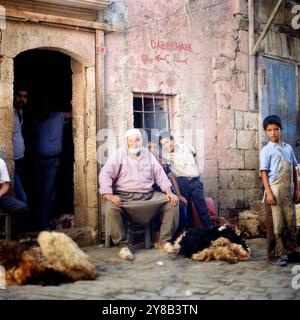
pixel 100 87
pixel 252 58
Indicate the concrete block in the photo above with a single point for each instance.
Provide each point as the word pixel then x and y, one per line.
pixel 236 7
pixel 228 179
pixel 231 159
pixel 240 101
pixel 231 199
pixel 227 138
pixel 219 62
pixel 251 159
pixel 6 70
pixel 80 216
pixel 210 168
pixel 244 41
pixel 242 62
pixel 239 120
pixel 250 121
pixel 240 81
pixel 221 75
pixel 252 195
pixel 237 179
pixel 247 139
pixel 210 187
pixel 223 100
pixel 247 179
pixel 226 119
pixel 298 215
pixel 92 218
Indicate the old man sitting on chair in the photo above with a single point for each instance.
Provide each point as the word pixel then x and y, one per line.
pixel 126 182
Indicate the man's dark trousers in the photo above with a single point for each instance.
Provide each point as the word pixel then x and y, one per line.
pixel 45 175
pixel 192 189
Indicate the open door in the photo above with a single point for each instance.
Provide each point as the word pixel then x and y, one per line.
pixel 278 94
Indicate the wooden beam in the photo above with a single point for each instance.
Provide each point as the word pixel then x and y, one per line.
pixel 267 27
pixel 252 58
pixel 60 21
pixel 86 4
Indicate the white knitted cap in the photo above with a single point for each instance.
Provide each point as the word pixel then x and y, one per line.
pixel 133 132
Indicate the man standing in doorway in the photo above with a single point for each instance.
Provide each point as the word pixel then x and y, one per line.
pixel 20 102
pixel 47 144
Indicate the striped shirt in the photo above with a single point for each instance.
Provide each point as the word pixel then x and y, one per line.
pixel 18 140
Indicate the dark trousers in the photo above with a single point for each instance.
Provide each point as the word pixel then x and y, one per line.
pixel 192 189
pixel 45 175
pixel 182 220
pixel 19 180
pixel 13 206
pixel 18 210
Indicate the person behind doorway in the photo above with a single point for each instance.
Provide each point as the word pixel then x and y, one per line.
pixel 20 103
pixel 277 167
pixel 183 203
pixel 11 205
pixel 182 159
pixel 126 185
pixel 47 139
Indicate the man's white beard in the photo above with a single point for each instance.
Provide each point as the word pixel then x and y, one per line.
pixel 134 150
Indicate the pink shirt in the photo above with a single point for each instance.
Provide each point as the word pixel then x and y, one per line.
pixel 123 172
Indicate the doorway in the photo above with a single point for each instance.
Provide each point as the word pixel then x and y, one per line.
pixel 278 94
pixel 48 71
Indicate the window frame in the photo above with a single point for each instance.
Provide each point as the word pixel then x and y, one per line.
pixel 168 109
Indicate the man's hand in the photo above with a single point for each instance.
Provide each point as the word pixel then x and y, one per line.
pixel 172 198
pixel 270 199
pixel 116 200
pixel 4 188
pixel 183 199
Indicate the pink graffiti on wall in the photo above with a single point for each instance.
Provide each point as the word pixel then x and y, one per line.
pixel 176 47
pixel 171 46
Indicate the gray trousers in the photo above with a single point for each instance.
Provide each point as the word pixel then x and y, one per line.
pixel 141 208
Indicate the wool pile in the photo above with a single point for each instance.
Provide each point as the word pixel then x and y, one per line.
pixel 53 259
pixel 214 244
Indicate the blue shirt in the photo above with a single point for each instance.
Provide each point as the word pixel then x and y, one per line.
pixel 18 140
pixel 48 135
pixel 272 154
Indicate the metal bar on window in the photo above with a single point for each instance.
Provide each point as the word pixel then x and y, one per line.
pixel 166 107
pixel 143 111
pixel 154 115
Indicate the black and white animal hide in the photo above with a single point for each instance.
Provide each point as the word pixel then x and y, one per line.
pixel 196 240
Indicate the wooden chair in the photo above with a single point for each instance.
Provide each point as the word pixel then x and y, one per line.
pixel 131 228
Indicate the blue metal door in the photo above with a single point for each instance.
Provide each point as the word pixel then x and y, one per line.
pixel 278 94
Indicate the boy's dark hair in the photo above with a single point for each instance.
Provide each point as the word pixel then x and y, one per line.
pixel 273 119
pixel 165 135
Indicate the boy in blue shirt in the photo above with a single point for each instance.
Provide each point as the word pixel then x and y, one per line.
pixel 277 166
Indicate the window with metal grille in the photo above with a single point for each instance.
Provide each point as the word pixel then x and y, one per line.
pixel 152 111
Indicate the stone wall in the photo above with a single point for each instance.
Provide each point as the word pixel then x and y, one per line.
pixel 211 90
pixel 237 125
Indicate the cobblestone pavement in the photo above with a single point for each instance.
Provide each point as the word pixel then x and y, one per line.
pixel 158 275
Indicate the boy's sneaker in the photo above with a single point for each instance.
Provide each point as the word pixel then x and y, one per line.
pixel 294 257
pixel 279 262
